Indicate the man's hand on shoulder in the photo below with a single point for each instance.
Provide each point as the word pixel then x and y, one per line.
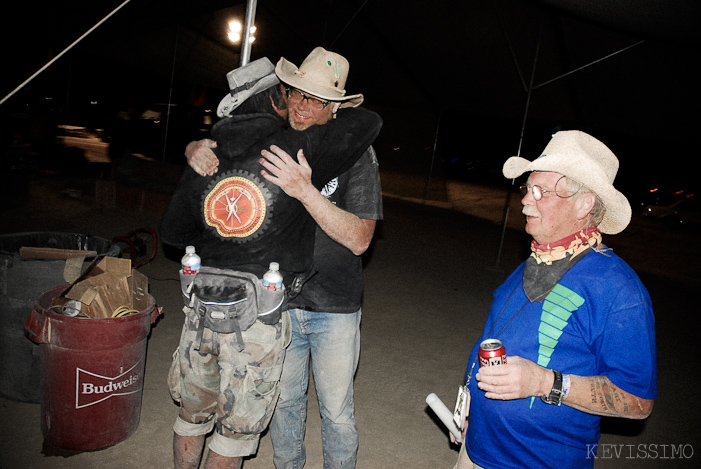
pixel 292 177
pixel 201 158
pixel 295 179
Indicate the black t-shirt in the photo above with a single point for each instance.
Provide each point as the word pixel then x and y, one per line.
pixel 337 286
pixel 237 219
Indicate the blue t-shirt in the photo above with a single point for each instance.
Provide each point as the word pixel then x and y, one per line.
pixel 597 320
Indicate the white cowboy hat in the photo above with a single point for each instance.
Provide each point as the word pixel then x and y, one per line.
pixel 246 81
pixel 322 74
pixel 581 157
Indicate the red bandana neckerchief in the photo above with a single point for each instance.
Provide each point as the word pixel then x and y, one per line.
pixel 549 262
pixel 572 245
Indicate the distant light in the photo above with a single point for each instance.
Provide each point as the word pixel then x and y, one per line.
pixel 396 148
pixel 654 190
pixel 93 102
pixel 679 192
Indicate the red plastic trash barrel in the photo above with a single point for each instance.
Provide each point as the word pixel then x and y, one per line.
pixel 92 374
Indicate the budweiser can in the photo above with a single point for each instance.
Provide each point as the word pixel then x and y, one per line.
pixel 492 352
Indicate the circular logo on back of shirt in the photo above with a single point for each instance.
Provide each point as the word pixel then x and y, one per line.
pixel 237 205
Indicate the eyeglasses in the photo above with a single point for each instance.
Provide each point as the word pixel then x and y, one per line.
pixel 539 192
pixel 296 96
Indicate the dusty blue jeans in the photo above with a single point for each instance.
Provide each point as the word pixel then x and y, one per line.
pixel 333 342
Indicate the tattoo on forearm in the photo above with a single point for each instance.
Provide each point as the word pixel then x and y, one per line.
pixel 611 400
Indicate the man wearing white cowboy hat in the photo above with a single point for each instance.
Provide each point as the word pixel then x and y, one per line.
pixel 326 314
pixel 225 381
pixel 321 78
pixel 575 320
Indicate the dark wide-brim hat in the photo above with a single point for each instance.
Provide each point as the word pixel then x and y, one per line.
pixel 581 157
pixel 322 74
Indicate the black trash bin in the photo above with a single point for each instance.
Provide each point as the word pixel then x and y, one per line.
pixel 22 280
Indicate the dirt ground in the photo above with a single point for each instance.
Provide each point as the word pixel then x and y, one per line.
pixel 429 278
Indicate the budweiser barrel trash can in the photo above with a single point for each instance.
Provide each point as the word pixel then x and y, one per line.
pixel 92 373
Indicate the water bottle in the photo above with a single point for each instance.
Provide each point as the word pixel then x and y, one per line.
pixel 272 279
pixel 191 261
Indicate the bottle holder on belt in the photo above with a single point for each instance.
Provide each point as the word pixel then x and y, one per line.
pixel 228 301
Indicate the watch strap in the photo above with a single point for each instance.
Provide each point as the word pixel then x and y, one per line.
pixel 555 396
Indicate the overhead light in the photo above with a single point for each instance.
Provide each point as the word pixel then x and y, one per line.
pixel 236 30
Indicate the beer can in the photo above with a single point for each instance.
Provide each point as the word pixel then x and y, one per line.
pixel 492 352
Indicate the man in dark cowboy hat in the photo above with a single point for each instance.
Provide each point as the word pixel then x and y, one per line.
pixel 575 320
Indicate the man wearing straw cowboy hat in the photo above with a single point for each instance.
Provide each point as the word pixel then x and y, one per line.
pixel 326 314
pixel 575 320
pixel 227 382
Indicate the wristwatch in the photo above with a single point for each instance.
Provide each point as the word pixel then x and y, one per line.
pixel 555 396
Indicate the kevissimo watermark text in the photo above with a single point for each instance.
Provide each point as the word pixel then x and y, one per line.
pixel 640 451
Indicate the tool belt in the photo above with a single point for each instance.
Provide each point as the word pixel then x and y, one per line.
pixel 228 301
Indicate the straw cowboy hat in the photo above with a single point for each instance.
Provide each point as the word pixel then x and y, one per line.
pixel 322 74
pixel 581 157
pixel 246 81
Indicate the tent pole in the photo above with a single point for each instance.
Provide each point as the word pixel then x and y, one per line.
pixel 170 90
pixel 530 89
pixel 520 140
pixel 246 44
pixel 433 157
pixel 348 23
pixel 62 53
pixel 594 62
pixel 511 49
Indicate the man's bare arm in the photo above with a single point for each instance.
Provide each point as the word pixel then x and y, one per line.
pixel 343 227
pixel 295 179
pixel 597 395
